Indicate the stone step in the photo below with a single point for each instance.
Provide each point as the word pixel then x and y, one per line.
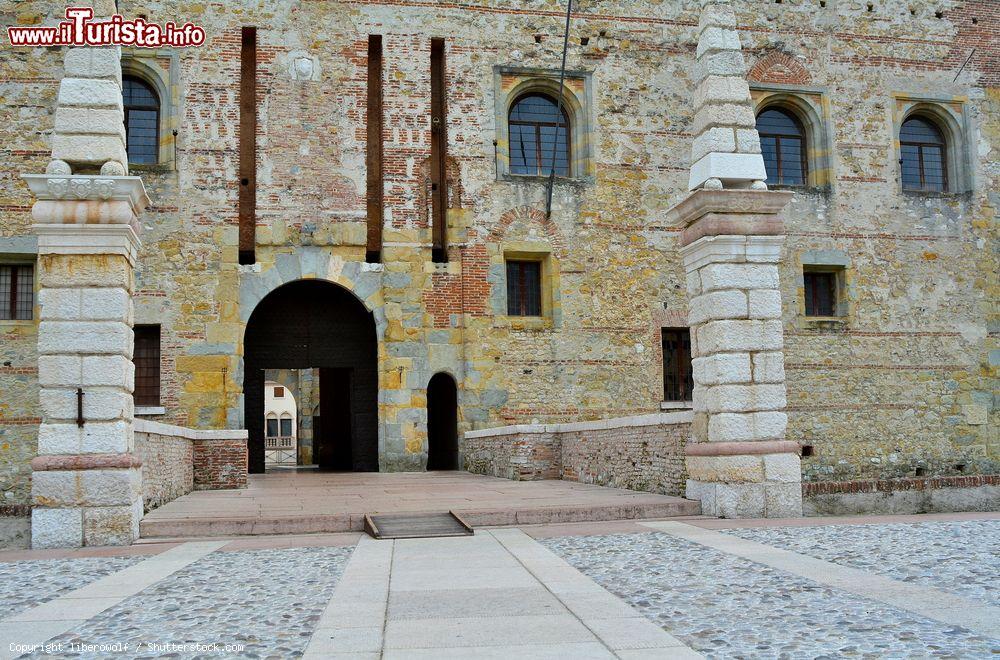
pixel 188 527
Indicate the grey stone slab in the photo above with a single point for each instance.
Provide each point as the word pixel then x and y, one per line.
pixel 17 638
pixel 513 576
pixel 434 604
pixel 66 609
pixel 635 632
pixel 485 631
pixel 344 640
pixel 675 653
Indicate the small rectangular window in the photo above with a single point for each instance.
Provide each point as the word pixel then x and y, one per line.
pixel 820 293
pixel 286 427
pixel 678 382
pixel 524 288
pixel 17 293
pixel 146 357
pixel 279 392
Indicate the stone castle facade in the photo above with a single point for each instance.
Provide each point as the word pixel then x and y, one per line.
pixel 894 387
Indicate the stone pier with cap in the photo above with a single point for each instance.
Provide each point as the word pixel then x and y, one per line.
pixel 738 461
pixel 86 478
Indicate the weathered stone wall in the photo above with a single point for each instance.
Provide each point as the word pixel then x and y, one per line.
pixel 916 495
pixel 904 384
pixel 167 464
pixel 639 453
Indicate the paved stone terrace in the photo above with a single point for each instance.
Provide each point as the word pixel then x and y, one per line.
pixel 689 587
pixel 300 501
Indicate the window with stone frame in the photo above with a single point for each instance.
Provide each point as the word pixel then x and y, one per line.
pixel 678 380
pixel 820 290
pixel 524 287
pixel 922 156
pixel 142 121
pixel 271 426
pixel 17 292
pixel 286 425
pixel 146 357
pixel 538 132
pixel 279 392
pixel 783 146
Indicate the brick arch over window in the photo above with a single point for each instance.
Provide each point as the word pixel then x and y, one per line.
pixel 527 215
pixel 779 67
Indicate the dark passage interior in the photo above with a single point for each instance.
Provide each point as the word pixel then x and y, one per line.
pixel 442 423
pixel 314 324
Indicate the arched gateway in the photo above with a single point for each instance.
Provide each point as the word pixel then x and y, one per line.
pixel 313 324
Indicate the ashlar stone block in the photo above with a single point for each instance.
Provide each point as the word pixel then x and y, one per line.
pixel 739 276
pixel 769 367
pixel 765 303
pixel 111 525
pixel 715 305
pixel 84 337
pixel 94 63
pixel 90 93
pixel 717 38
pixel 722 368
pixel 744 398
pixel 739 336
pixel 722 89
pixel 60 370
pixel 56 528
pixel 720 139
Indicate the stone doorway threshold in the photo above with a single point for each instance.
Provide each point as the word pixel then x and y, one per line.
pixel 301 502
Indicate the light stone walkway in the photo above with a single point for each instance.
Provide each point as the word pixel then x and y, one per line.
pixel 498 594
pixel 52 618
pixel 923 600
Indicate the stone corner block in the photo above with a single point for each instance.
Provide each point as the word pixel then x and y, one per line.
pixel 56 528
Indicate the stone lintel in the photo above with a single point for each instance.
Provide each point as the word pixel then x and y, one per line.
pixel 742 448
pixel 732 202
pixel 85 462
pixel 732 248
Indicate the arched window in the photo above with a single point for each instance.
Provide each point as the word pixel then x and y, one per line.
pixel 536 125
pixel 286 425
pixel 782 142
pixel 142 121
pixel 271 429
pixel 922 156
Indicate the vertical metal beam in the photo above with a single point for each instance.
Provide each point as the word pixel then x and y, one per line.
pixel 248 146
pixel 439 153
pixel 373 154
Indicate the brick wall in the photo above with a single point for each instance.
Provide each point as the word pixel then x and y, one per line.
pixel 167 467
pixel 220 464
pixel 639 453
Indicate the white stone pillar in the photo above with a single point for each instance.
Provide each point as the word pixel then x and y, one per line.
pixel 86 480
pixel 739 463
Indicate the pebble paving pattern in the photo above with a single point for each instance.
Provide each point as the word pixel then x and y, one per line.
pixel 727 607
pixel 266 600
pixel 961 557
pixel 26 584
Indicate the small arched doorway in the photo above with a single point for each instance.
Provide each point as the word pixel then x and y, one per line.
pixel 312 324
pixel 442 423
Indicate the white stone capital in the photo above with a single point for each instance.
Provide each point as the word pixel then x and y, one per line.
pixel 86 187
pixel 88 239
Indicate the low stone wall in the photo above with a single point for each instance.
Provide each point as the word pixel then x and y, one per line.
pixel 644 452
pixel 892 496
pixel 177 460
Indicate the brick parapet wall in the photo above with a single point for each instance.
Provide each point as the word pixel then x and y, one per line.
pixel 167 467
pixel 643 452
pixel 180 459
pixel 220 464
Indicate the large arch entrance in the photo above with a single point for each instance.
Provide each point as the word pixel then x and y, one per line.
pixel 312 324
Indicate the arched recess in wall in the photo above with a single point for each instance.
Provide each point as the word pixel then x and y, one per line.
pixel 442 423
pixel 308 324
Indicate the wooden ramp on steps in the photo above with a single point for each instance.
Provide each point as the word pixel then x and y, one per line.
pixel 416 525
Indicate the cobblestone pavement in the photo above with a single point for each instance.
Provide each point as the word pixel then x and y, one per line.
pixel 961 557
pixel 726 606
pixel 268 601
pixel 25 584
